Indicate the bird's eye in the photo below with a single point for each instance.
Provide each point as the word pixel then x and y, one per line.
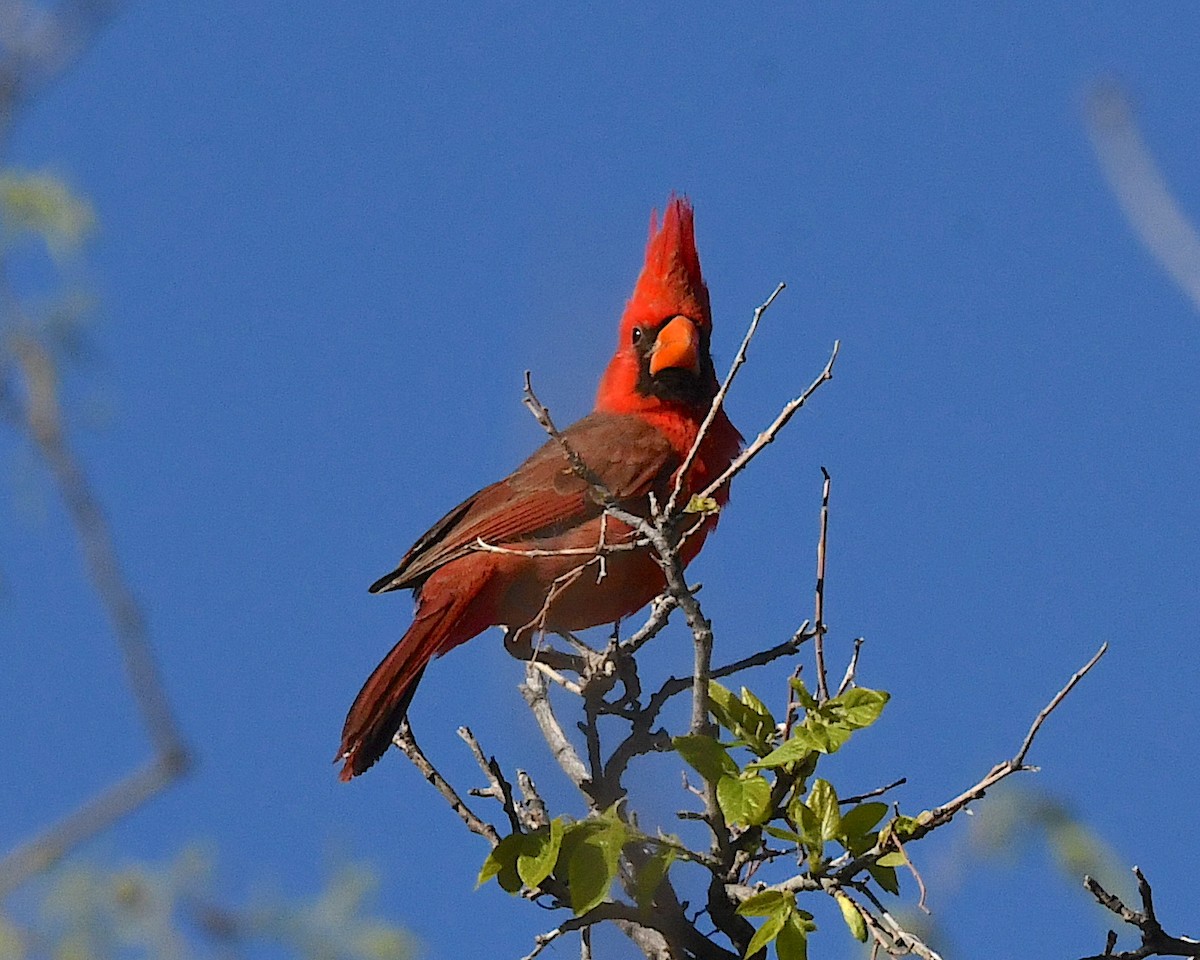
pixel 637 335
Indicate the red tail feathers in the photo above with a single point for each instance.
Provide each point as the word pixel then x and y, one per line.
pixel 443 621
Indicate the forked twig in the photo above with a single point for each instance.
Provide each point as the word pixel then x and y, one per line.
pixel 718 401
pixel 768 436
pixel 408 745
pixel 1156 942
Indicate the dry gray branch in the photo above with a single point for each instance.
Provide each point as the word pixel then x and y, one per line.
pixel 1156 942
pixel 407 743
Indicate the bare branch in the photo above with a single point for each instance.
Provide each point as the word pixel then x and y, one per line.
pixel 407 743
pixel 660 613
pixel 851 668
pixel 718 400
pixel 1156 942
pixel 499 788
pixel 537 697
pixel 769 435
pixel 533 807
pixel 41 419
pixel 877 792
pixel 943 814
pixel 625 913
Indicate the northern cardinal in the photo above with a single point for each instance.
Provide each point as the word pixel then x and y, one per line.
pixel 652 399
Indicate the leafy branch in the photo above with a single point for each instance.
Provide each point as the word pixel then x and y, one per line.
pixel 779 836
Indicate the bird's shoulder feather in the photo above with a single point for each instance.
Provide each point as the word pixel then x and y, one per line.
pixel 545 497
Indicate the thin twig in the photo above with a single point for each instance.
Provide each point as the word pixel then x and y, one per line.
pixel 877 792
pixel 943 814
pixel 768 436
pixel 542 414
pixel 568 685
pixel 819 608
pixel 599 551
pixel 603 912
pixel 717 401
pixel 537 697
pixel 851 668
pixel 790 646
pixel 407 743
pixel 498 787
pixel 660 613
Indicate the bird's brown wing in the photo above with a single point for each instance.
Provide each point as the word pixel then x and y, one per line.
pixel 544 497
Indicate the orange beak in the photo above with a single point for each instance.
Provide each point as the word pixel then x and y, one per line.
pixel 677 346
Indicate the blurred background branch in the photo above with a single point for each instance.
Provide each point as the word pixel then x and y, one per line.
pixel 1141 189
pixel 36 45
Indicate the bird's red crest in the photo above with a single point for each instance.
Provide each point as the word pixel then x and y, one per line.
pixel 670 282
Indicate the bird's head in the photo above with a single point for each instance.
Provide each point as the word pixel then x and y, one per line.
pixel 663 356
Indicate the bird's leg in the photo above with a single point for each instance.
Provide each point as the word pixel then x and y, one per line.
pixel 520 644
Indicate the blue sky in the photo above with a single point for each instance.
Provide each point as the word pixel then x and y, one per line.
pixel 333 237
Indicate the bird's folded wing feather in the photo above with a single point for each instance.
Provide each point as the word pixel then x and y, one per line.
pixel 544 497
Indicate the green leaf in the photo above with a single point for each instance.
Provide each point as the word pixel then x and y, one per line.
pixel 539 853
pixel 797 747
pixel 767 932
pixel 859 821
pixel 745 800
pixel 501 863
pixel 43 205
pixel 592 849
pixel 764 904
pixel 861 707
pixel 792 941
pixel 807 700
pixel 747 718
pixel 823 802
pixel 886 878
pixel 760 708
pixel 852 916
pixel 808 824
pixel 904 827
pixel 589 876
pixel 700 504
pixel 824 735
pixel 727 709
pixel 893 859
pixel 707 757
pixel 787 836
pixel 651 876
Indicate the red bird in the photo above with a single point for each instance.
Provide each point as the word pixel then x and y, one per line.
pixel 652 399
